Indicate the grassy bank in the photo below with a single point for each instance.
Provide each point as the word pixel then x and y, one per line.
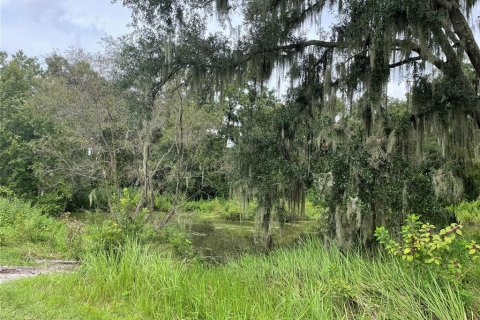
pixel 27 234
pixel 308 282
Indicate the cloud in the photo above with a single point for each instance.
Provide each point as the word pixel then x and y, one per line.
pixel 40 26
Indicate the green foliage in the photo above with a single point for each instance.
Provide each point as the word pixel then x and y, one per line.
pixel 53 203
pixel 422 245
pixel 125 223
pixel 233 211
pixel 19 125
pixel 230 210
pixel 6 192
pixel 468 214
pixel 125 215
pixel 472 181
pixel 103 237
pixel 268 158
pixel 205 206
pixel 24 225
pixel 127 202
pixel 163 202
pixel 179 239
pixel 421 196
pixel 314 211
pixel 306 282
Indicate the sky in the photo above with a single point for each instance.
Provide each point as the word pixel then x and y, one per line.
pixel 39 27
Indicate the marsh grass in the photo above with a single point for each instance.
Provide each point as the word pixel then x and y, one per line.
pixel 306 282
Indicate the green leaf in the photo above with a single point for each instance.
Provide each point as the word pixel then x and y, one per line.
pixel 429 260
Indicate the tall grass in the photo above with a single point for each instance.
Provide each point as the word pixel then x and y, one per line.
pixel 308 282
pixel 25 231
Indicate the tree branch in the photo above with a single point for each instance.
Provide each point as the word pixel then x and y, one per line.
pixel 424 54
pixel 405 61
pixel 302 45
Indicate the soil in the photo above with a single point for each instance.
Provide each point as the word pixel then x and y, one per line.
pixel 44 267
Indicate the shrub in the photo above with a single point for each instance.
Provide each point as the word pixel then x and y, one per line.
pixel 420 244
pixel 52 203
pixel 124 213
pixel 163 202
pixel 230 210
pixel 204 206
pixel 6 192
pixel 233 211
pixel 468 214
pixel 314 211
pixel 124 224
pixel 21 224
pixel 104 237
pixel 179 239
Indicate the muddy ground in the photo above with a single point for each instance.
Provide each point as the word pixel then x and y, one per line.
pixel 43 267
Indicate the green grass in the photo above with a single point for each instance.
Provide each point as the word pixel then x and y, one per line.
pixel 27 234
pixel 307 282
pixel 26 254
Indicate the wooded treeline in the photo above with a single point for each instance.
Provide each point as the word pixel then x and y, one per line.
pixel 176 110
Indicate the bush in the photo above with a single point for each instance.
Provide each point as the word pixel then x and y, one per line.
pixel 421 245
pixel 233 211
pixel 180 241
pixel 21 224
pixel 52 204
pixel 124 213
pixel 6 192
pixel 205 206
pixel 163 202
pixel 105 237
pixel 468 214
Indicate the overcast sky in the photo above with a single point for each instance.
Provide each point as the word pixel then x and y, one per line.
pixel 40 26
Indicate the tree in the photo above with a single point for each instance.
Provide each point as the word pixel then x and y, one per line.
pixel 19 125
pixel 267 157
pixel 90 118
pixel 369 39
pixel 142 71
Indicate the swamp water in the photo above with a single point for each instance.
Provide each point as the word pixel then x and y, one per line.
pixel 217 240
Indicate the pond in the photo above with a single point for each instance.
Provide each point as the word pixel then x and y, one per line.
pixel 217 240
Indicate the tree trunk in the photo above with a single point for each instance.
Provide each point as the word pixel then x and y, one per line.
pixel 179 144
pixel 114 169
pixel 109 196
pixel 145 196
pixel 267 237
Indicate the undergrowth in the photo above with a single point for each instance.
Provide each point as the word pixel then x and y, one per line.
pixel 26 233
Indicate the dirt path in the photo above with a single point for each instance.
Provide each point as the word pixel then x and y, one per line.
pixel 45 266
